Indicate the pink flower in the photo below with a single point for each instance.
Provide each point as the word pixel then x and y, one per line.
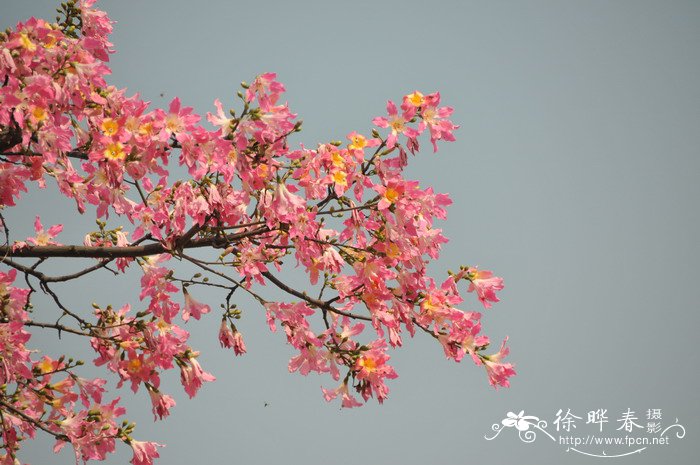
pixel 267 90
pixel 498 371
pixel 91 389
pixel 238 344
pixel 371 367
pixel 179 120
pixel 436 120
pixel 144 452
pixel 192 376
pixel 44 237
pixel 485 284
pixel 397 123
pixel 193 307
pixel 348 400
pixel 220 119
pixel 162 403
pixel 286 206
pixel 231 338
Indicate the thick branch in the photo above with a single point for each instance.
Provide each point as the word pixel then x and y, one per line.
pixel 79 251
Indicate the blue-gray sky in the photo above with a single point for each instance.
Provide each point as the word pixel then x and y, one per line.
pixel 574 176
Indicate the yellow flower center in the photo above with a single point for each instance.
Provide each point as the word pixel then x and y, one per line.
pixel 173 123
pixel 109 127
pixel 42 239
pixel 429 306
pixel 392 250
pixel 358 142
pixel 337 159
pixel 115 151
pixel 416 99
pixel 340 178
pixel 26 42
pixel 39 114
pixel 368 363
pixel 429 115
pixel 398 124
pixel 45 366
pixel 50 41
pixel 146 129
pixel 134 365
pixel 163 326
pixel 391 194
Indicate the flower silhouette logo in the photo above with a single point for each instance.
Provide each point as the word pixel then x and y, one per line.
pixel 520 421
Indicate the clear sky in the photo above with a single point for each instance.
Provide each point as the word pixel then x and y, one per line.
pixel 575 176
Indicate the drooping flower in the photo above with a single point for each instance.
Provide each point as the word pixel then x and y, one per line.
pixel 485 284
pixel 192 376
pixel 348 401
pixel 162 403
pixel 231 338
pixel 144 452
pixel 193 307
pixel 497 370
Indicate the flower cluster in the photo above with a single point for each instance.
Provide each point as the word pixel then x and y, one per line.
pixel 343 212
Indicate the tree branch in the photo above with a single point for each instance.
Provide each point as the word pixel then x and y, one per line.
pixel 318 303
pixel 54 279
pixel 36 423
pixel 66 329
pixel 79 251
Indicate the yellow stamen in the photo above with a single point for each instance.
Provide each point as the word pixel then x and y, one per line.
pixel 398 124
pixel 429 306
pixel 146 129
pixel 358 142
pixel 134 365
pixel 173 123
pixel 45 366
pixel 163 326
pixel 416 99
pixel 109 127
pixel 115 151
pixel 429 115
pixel 368 363
pixel 50 41
pixel 340 178
pixel 392 250
pixel 26 42
pixel 391 194
pixel 337 160
pixel 39 114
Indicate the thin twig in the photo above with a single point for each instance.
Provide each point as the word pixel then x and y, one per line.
pixel 318 303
